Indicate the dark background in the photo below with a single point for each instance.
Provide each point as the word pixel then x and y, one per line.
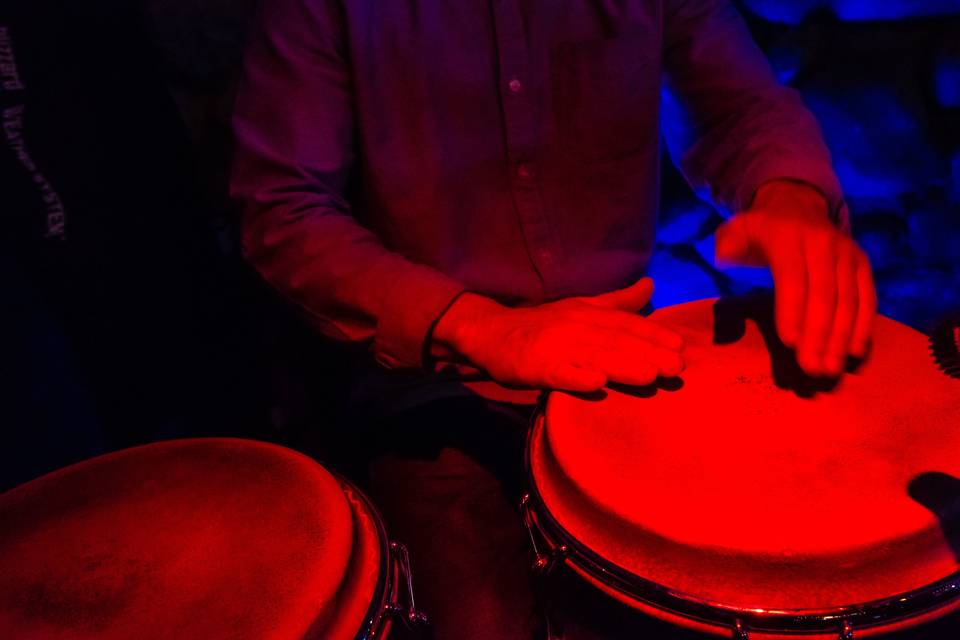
pixel 141 322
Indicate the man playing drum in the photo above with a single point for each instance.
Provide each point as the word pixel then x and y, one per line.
pixel 471 188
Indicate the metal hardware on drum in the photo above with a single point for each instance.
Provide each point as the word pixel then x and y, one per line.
pixel 846 630
pixel 397 572
pixel 739 631
pixel 945 345
pixel 543 561
pixel 411 616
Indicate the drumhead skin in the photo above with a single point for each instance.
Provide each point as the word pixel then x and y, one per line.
pixel 185 539
pixel 747 484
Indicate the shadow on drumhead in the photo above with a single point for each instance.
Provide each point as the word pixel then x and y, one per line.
pixel 637 391
pixel 940 493
pixel 730 317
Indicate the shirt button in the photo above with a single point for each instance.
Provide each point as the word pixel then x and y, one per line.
pixel 525 172
pixel 515 86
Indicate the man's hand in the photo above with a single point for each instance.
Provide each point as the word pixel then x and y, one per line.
pixel 577 344
pixel 825 297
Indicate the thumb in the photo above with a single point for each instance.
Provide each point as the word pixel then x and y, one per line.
pixel 633 298
pixel 733 245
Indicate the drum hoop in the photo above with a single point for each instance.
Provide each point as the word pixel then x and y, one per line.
pixel 386 588
pixel 563 546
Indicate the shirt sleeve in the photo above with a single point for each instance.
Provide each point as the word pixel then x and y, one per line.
pixel 294 156
pixel 739 128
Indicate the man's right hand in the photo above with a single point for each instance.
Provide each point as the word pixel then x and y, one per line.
pixel 576 344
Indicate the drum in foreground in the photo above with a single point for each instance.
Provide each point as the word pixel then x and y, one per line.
pixel 747 498
pixel 205 538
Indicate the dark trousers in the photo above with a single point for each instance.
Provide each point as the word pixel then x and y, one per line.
pixel 447 478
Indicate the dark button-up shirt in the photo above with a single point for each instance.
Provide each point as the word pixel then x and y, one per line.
pixel 393 153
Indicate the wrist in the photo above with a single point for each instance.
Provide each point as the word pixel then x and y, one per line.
pixel 796 197
pixel 464 324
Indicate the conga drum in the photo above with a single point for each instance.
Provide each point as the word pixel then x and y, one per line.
pixel 197 539
pixel 748 500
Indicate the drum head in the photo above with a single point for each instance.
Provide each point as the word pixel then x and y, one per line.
pixel 206 538
pixel 750 485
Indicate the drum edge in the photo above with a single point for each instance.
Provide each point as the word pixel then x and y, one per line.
pixel 396 576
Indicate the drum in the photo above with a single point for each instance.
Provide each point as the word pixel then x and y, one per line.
pixel 746 498
pixel 202 538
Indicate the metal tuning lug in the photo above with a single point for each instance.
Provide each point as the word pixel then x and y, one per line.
pixel 846 631
pixel 545 555
pixel 740 631
pixel 411 616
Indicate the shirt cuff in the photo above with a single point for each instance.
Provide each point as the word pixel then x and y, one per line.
pixel 410 308
pixel 819 176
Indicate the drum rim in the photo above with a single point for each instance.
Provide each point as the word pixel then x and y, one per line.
pixel 386 589
pixel 566 547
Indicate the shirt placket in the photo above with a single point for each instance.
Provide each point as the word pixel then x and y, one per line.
pixel 521 140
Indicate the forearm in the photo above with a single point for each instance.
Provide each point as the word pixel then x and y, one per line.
pixel 347 283
pixel 295 152
pixel 743 129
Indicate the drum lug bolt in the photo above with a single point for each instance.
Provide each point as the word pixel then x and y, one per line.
pixel 740 631
pixel 546 554
pixel 408 612
pixel 541 563
pixel 846 631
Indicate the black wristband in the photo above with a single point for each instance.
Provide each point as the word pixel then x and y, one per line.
pixel 426 358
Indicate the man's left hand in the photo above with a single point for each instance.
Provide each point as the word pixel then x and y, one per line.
pixel 826 301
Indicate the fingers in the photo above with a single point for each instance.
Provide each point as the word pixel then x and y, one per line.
pixel 614 357
pixel 639 327
pixel 627 359
pixel 665 361
pixel 633 298
pixel 820 310
pixel 838 307
pixel 573 378
pixel 624 304
pixel 867 307
pixel 731 242
pixel 848 302
pixel 619 368
pixel 826 302
pixel 789 269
